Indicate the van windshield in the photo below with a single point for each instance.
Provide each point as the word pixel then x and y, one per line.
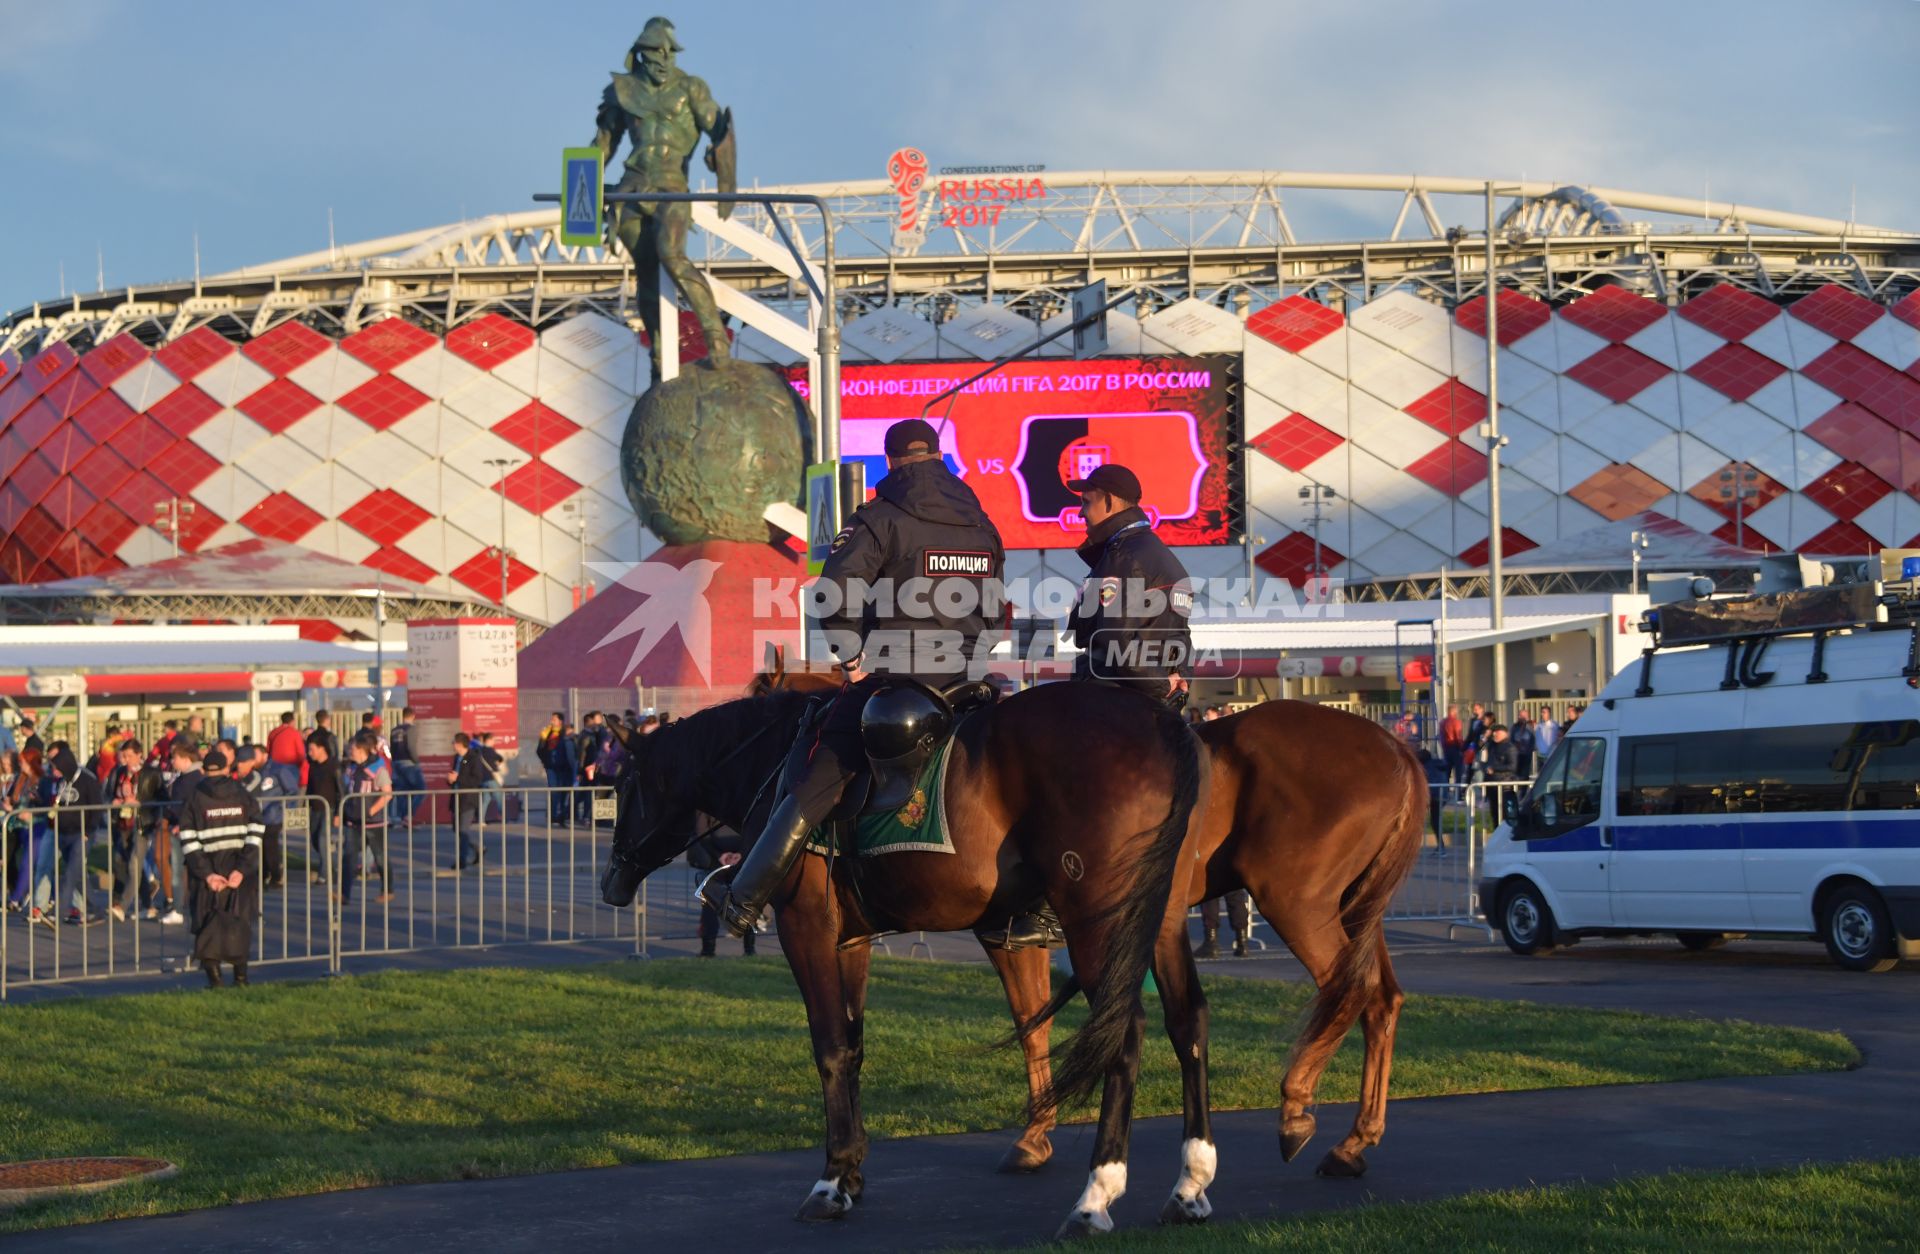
pixel 1568 787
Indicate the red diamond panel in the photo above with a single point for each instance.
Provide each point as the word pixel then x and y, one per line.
pixel 193 353
pixel 1846 490
pixel 1860 376
pixel 481 572
pixel 65 448
pixel 107 527
pixel 281 517
pixel 1763 486
pixel 279 405
pixel 1511 542
pixel 138 495
pixel 1730 312
pixel 1613 313
pixel 41 370
pixel 103 472
pixel 1452 468
pixel 183 467
pixel 184 410
pixel 1520 316
pixel 538 487
pixel 286 348
pixel 1857 435
pixel 1618 490
pixel 1296 441
pixel 103 417
pixel 1842 539
pixel 67 394
pixel 384 516
pixel 1295 323
pixel 1292 558
pixel 1908 310
pixel 142 440
pixel 389 343
pixel 406 566
pixel 68 503
pixel 14 558
pixel 13 450
pixel 1452 407
pixel 1618 372
pixel 114 358
pixel 1838 312
pixel 486 342
pixel 535 428
pixel 34 477
pixel 36 424
pixel 1736 371
pixel 382 400
pixel 38 531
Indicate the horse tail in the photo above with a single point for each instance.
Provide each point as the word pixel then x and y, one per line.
pixel 1101 1043
pixel 1363 913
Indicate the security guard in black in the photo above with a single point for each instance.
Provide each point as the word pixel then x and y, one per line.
pixel 914 581
pixel 1131 622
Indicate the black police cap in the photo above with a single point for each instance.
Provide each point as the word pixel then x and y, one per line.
pixel 902 436
pixel 1114 480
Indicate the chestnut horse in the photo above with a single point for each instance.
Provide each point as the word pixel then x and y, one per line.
pixel 1319 814
pixel 1082 794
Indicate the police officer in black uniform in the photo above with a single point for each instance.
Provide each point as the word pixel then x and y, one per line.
pixel 1131 623
pixel 917 576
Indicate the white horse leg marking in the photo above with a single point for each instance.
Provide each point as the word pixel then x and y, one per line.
pixel 1105 1185
pixel 828 1190
pixel 1198 1161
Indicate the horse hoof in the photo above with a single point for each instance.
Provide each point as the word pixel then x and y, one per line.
pixel 1342 1166
pixel 827 1201
pixel 1084 1223
pixel 1179 1210
pixel 1021 1159
pixel 1294 1135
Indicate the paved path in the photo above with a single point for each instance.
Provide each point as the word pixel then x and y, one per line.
pixel 940 1191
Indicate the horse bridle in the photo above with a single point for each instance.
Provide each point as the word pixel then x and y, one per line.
pixel 615 858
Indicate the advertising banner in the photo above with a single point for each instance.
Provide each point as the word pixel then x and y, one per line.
pixel 1020 434
pixel 462 675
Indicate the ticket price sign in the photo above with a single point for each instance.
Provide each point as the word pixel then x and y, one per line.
pixel 462 675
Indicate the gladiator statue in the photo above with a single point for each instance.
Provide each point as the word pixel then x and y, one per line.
pixel 663 111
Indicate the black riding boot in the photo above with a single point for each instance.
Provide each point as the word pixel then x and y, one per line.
pixel 739 903
pixel 1210 945
pixel 212 969
pixel 1039 928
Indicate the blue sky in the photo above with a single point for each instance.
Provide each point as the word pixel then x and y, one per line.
pixel 131 124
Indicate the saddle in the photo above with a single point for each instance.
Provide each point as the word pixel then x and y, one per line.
pixel 901 727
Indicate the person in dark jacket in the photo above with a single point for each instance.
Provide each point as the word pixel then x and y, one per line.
pixel 1131 623
pixel 76 813
pixel 135 790
pixel 468 777
pixel 221 834
pixel 363 818
pixel 173 881
pixel 323 733
pixel 408 779
pixel 1522 737
pixel 910 586
pixel 250 767
pixel 323 787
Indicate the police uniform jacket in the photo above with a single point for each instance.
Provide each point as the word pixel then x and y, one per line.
pixel 1136 594
pixel 924 528
pixel 220 833
pixel 266 793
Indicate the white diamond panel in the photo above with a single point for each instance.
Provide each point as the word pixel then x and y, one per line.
pixel 1194 326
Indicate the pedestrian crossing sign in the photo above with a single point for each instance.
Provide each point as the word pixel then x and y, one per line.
pixel 581 189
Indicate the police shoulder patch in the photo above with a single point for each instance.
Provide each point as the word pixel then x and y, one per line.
pixel 1109 590
pixel 846 534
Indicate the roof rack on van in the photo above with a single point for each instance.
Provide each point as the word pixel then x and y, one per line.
pixel 1746 625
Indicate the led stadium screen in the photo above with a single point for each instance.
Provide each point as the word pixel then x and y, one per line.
pixel 1020 434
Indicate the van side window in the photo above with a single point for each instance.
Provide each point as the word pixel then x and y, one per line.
pixel 1697 773
pixel 1572 777
pixel 1812 768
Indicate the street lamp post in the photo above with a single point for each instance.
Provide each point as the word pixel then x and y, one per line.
pixel 1316 495
pixel 1739 483
pixel 582 511
pixel 169 515
pixel 1496 592
pixel 502 465
pixel 1638 543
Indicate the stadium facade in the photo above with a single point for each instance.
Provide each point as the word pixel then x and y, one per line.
pixel 405 403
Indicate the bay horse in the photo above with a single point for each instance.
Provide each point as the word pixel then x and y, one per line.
pixel 1322 851
pixel 1083 794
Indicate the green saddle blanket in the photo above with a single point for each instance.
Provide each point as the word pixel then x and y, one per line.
pixel 920 826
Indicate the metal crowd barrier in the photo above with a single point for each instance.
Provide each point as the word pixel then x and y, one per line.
pixel 1443 885
pixel 333 885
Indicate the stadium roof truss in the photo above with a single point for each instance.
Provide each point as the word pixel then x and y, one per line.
pixel 1225 237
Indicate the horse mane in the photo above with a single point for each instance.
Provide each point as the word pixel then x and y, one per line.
pixel 688 748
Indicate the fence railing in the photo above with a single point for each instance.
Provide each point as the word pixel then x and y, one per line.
pixel 101 891
pixel 1444 882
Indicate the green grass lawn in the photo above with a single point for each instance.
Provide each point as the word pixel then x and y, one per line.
pixel 1855 1206
pixel 290 1088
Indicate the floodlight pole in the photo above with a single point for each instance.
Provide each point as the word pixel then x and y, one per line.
pixel 1496 592
pixel 501 464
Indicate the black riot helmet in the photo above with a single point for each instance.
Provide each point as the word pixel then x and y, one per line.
pixel 902 720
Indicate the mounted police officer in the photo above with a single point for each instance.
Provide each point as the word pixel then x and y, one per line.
pixel 910 586
pixel 1131 622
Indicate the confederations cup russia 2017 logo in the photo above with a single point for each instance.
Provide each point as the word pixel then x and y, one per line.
pixel 907 170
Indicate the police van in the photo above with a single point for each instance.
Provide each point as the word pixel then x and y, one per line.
pixel 1756 772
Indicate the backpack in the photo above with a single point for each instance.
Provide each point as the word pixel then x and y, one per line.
pixel 496 766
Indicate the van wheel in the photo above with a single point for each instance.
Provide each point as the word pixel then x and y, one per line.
pixel 1700 941
pixel 1858 933
pixel 1525 920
